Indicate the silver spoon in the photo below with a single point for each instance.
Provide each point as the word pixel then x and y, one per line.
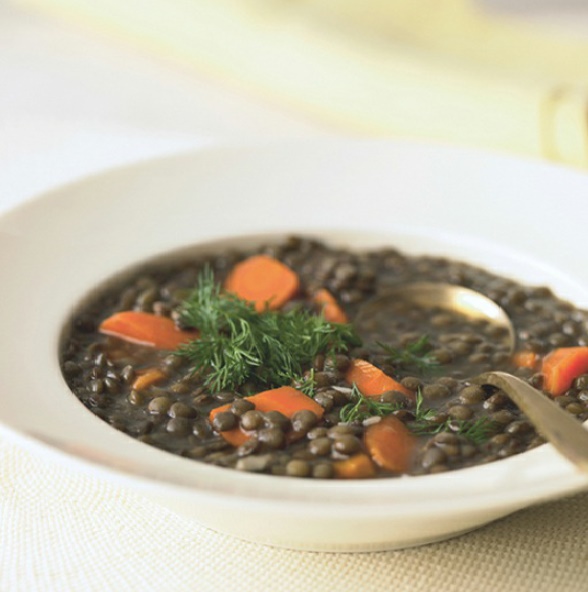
pixel 554 424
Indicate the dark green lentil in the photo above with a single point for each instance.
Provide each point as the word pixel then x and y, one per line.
pixel 173 415
pixel 224 421
pixel 304 420
pixel 252 420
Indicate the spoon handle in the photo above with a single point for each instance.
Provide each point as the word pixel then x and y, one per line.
pixel 553 423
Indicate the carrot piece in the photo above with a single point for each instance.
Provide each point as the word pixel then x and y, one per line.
pixel 147 329
pixel 390 444
pixel 147 378
pixel 562 366
pixel 285 399
pixel 371 381
pixel 330 307
pixel 358 466
pixel 525 359
pixel 264 281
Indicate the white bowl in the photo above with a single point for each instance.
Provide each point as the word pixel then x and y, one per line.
pixel 522 219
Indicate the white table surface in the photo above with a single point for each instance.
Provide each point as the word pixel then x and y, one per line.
pixel 72 103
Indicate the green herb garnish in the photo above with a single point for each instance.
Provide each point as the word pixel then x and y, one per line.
pixel 361 407
pixel 477 431
pixel 422 414
pixel 414 356
pixel 238 344
pixel 305 383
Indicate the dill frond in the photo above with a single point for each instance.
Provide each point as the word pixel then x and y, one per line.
pixel 238 344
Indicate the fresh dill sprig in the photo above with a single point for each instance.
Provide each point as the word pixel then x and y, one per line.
pixel 306 383
pixel 422 414
pixel 238 344
pixel 477 431
pixel 361 407
pixel 414 356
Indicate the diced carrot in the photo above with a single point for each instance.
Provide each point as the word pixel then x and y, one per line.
pixel 390 444
pixel 147 329
pixel 264 281
pixel 285 399
pixel 371 381
pixel 148 377
pixel 331 309
pixel 562 366
pixel 358 466
pixel 526 359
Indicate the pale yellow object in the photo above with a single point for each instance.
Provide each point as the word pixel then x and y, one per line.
pixel 420 68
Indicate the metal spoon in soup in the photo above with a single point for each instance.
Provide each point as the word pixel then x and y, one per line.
pixel 557 426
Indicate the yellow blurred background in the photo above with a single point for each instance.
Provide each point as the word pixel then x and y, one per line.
pixel 443 70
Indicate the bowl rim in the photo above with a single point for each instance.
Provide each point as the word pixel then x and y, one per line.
pixel 542 473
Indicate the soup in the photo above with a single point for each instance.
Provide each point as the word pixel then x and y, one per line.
pixel 274 360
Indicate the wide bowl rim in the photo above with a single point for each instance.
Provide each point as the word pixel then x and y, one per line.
pixel 555 475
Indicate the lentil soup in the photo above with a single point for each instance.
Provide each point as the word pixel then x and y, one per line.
pixel 264 360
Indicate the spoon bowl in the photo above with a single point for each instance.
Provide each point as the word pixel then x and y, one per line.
pixel 457 299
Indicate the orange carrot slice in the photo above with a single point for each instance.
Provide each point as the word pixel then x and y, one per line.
pixel 562 366
pixel 358 466
pixel 371 381
pixel 147 329
pixel 148 377
pixel 526 359
pixel 285 399
pixel 390 444
pixel 264 281
pixel 330 307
